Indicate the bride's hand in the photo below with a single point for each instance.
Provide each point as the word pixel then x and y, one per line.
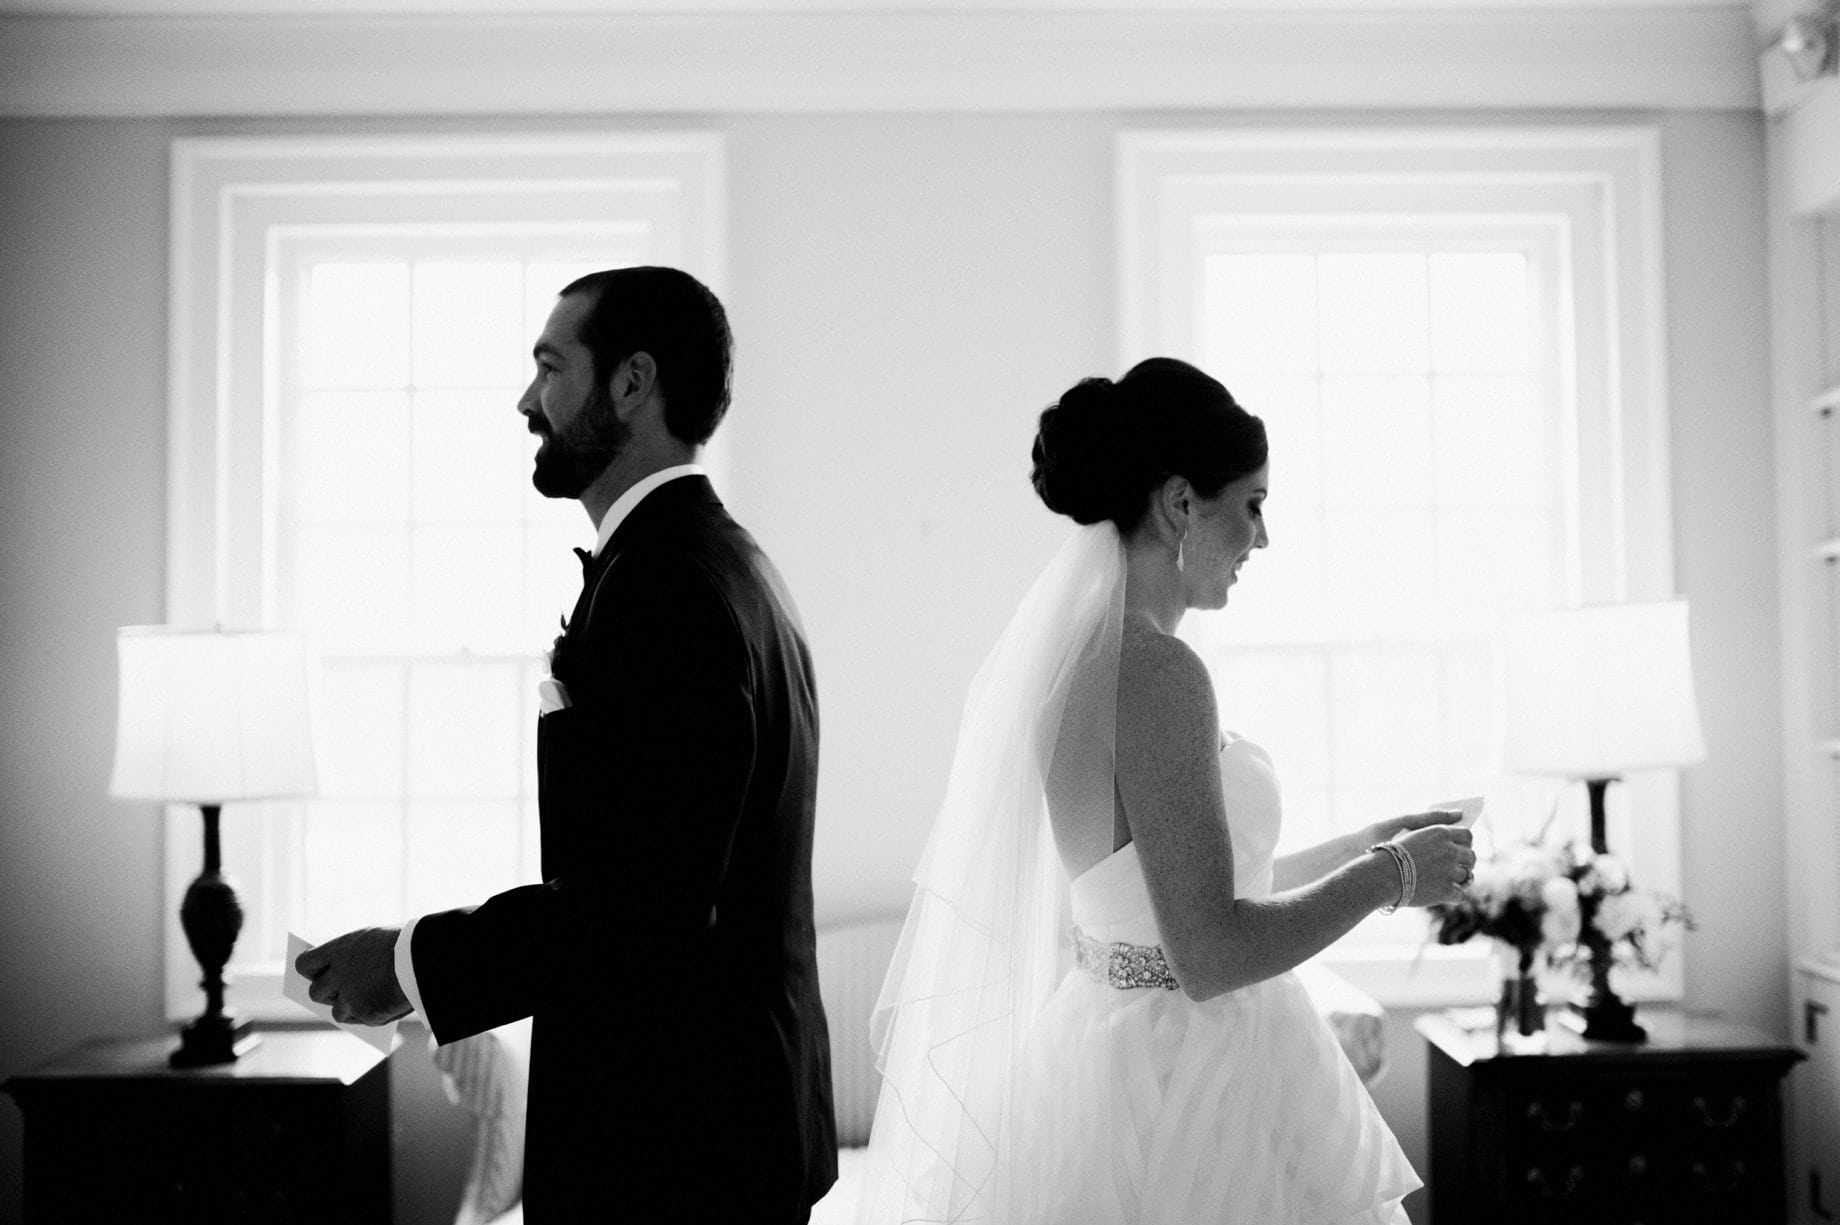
pixel 1393 827
pixel 1443 859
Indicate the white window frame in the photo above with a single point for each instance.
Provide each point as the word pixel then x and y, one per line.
pixel 1597 192
pixel 238 206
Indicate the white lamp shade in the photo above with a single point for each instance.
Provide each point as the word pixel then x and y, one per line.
pixel 1598 692
pixel 210 717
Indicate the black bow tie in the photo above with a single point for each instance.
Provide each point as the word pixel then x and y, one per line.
pixel 587 557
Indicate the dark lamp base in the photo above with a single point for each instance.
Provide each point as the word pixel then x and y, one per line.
pixel 1602 1020
pixel 212 1040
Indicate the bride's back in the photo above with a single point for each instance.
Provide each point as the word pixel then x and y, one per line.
pixel 1084 809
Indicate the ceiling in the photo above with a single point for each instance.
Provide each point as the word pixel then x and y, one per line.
pixel 308 8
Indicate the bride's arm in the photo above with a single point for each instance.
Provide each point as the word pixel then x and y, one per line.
pixel 1169 779
pixel 1315 862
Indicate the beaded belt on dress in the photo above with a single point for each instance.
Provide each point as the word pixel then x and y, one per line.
pixel 1121 965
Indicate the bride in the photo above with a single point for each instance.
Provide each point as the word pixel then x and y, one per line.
pixel 1091 1017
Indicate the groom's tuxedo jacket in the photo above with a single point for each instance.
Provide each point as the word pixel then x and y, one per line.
pixel 680 1063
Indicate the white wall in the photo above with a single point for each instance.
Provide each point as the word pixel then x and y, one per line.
pixel 907 292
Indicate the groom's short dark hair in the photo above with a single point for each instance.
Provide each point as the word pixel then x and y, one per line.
pixel 671 315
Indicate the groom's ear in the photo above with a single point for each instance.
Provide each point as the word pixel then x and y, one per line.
pixel 632 383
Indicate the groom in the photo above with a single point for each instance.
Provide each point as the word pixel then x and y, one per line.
pixel 680 1063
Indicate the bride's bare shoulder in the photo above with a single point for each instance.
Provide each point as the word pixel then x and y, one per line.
pixel 1160 676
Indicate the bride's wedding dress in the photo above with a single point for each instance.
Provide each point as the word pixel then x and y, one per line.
pixel 1143 1107
pixel 1038 1066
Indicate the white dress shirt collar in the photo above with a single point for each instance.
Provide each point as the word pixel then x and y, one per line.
pixel 623 505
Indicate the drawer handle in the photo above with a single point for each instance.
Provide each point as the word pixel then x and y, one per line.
pixel 1638 1165
pixel 1537 1112
pixel 1632 1101
pixel 1732 1114
pixel 1573 1176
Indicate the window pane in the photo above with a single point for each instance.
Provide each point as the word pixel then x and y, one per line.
pixel 352 854
pixel 1261 313
pixel 354 330
pixel 468 593
pixel 469 325
pixel 1492 446
pixel 1479 313
pixel 359 740
pixel 352 589
pixel 469 457
pixel 1280 700
pixel 463 730
pixel 1386 727
pixel 1470 753
pixel 351 463
pixel 1375 318
pixel 460 853
pixel 1378 565
pixel 1376 440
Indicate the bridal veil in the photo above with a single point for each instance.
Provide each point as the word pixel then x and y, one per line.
pixel 982 949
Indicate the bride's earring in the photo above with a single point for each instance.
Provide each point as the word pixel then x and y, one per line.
pixel 1180 541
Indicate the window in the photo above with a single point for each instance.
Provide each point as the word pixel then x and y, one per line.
pixel 352 328
pixel 1453 340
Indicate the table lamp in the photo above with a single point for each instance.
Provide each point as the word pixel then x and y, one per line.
pixel 207 717
pixel 1593 694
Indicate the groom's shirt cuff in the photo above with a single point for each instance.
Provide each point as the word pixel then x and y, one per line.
pixel 405 970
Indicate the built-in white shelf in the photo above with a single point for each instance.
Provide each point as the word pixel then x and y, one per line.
pixel 1827 550
pixel 1827 402
pixel 1831 747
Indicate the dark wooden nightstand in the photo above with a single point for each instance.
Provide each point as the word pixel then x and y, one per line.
pixel 296 1131
pixel 1684 1128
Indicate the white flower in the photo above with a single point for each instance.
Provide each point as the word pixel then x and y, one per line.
pixel 1622 913
pixel 1606 875
pixel 1559 923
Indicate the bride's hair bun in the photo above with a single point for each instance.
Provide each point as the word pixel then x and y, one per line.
pixel 1104 446
pixel 1076 472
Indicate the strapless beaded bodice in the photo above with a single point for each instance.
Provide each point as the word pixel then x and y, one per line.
pixel 1111 902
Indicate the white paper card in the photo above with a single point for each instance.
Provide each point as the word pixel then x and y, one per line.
pixel 294 986
pixel 1471 806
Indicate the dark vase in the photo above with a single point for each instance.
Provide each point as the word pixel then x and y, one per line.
pixel 1520 1015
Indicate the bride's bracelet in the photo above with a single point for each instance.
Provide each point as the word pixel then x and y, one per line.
pixel 1408 873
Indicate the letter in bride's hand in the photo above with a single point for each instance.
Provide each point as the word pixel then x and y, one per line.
pixel 1469 806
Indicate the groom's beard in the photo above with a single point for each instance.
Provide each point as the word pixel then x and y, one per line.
pixel 572 457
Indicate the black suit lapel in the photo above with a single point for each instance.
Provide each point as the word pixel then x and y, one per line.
pixel 670 503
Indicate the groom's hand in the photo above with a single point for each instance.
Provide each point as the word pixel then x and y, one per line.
pixel 356 974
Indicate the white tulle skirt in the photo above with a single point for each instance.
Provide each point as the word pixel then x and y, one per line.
pixel 1144 1107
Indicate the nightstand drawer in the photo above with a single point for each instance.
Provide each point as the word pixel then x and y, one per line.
pixel 1684 1129
pixel 113 1135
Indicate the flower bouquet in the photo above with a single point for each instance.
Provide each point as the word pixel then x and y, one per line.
pixel 1562 902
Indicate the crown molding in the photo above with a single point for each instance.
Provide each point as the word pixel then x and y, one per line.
pixel 1684 56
